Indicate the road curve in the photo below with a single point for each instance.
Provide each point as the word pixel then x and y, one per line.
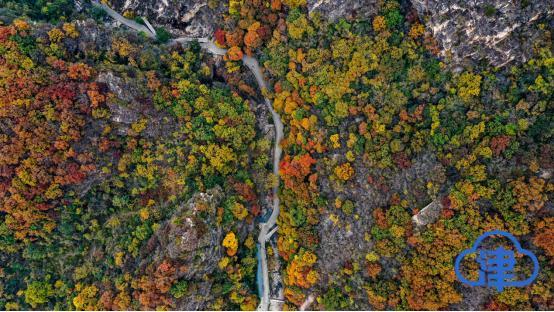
pixel 127 22
pixel 269 225
pixel 252 64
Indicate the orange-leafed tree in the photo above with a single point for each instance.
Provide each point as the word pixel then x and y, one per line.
pixel 44 108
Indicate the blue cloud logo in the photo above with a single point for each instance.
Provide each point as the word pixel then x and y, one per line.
pixel 496 266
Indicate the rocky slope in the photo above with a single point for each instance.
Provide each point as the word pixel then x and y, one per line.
pixel 333 9
pixel 195 18
pixel 500 31
pixel 190 240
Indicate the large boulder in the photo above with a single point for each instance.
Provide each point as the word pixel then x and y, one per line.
pixel 499 31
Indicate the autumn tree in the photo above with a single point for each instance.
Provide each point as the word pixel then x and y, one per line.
pixel 46 119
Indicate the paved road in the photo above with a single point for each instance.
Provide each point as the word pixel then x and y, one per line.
pixel 268 226
pixel 127 22
pixel 252 64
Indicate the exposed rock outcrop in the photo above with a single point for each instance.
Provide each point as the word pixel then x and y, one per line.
pixel 497 30
pixel 129 104
pixel 189 237
pixel 333 9
pixel 194 18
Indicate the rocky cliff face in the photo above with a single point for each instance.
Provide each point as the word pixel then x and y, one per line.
pixel 195 18
pixel 189 239
pixel 497 30
pixel 334 9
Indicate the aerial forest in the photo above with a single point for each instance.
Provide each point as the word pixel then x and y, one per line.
pixel 135 171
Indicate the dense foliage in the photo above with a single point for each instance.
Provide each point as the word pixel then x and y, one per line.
pixel 90 177
pixel 40 9
pixel 367 99
pixel 134 173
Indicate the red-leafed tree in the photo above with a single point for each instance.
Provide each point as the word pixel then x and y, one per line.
pixel 44 108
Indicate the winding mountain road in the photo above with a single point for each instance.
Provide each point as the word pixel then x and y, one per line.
pixel 127 22
pixel 267 229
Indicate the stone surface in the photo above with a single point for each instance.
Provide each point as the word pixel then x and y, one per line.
pixel 497 30
pixel 334 9
pixel 192 18
pixel 192 239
